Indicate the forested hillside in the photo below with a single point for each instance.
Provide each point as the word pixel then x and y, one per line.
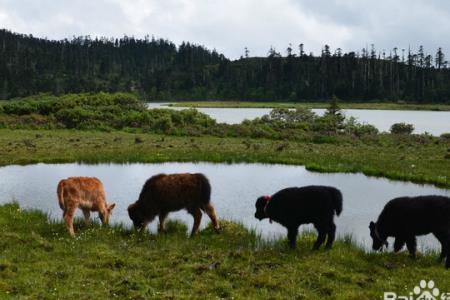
pixel 159 70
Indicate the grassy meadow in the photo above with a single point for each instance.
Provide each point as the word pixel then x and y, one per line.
pixel 40 261
pixel 412 158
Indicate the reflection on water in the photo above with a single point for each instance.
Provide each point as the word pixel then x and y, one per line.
pixel 235 188
pixel 433 122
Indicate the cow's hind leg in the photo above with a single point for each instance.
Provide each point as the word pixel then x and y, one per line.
pixel 447 260
pixel 197 214
pixel 444 239
pixel 446 251
pixel 292 236
pixel 447 248
pixel 162 220
pixel 87 216
pixel 321 237
pixel 211 212
pixel 68 219
pixel 399 243
pixel 331 235
pixel 411 244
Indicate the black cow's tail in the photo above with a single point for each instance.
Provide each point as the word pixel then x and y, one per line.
pixel 205 188
pixel 337 200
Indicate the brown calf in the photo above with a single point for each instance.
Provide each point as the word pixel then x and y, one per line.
pixel 163 193
pixel 86 193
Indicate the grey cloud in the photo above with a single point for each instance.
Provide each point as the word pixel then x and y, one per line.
pixel 385 23
pixel 231 25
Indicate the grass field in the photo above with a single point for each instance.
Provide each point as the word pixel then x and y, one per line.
pixel 344 105
pixel 40 261
pixel 416 158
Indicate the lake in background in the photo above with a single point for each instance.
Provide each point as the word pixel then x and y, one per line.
pixel 433 122
pixel 235 188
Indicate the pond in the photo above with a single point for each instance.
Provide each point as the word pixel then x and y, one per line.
pixel 433 122
pixel 235 188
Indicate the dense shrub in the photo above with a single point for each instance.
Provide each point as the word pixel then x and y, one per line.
pixel 299 115
pixel 351 126
pixel 163 124
pixel 31 121
pixel 120 111
pixel 20 108
pixel 46 105
pixel 75 117
pixel 402 128
pixel 445 136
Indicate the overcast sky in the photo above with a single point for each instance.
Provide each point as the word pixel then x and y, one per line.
pixel 230 25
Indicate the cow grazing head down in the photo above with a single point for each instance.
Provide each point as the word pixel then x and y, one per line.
pixel 85 193
pixel 106 215
pixel 137 216
pixel 378 240
pixel 165 193
pixel 260 205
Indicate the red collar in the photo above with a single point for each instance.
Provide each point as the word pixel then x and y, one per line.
pixel 267 199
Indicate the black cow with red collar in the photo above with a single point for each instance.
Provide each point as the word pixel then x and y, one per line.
pixel 292 207
pixel 404 218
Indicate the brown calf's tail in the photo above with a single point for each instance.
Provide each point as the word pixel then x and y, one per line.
pixel 60 194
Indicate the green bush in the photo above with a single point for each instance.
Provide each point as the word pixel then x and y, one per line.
pixel 402 128
pixel 120 111
pixel 75 117
pixel 445 136
pixel 163 124
pixel 193 116
pixel 17 108
pixel 299 115
pixel 329 123
pixel 351 126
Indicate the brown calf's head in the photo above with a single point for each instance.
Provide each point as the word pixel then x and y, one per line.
pixel 105 216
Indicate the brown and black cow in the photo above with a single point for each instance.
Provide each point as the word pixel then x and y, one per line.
pixel 163 193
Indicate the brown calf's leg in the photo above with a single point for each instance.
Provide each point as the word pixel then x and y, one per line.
pixel 162 220
pixel 211 212
pixel 197 214
pixel 68 219
pixel 87 216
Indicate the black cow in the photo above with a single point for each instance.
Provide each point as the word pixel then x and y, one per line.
pixel 407 217
pixel 292 207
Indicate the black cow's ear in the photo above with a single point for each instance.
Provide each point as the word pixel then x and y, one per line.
pixel 372 225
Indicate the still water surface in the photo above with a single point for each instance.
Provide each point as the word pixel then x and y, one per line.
pixel 235 188
pixel 433 122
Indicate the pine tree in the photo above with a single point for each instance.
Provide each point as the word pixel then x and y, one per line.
pixel 440 59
